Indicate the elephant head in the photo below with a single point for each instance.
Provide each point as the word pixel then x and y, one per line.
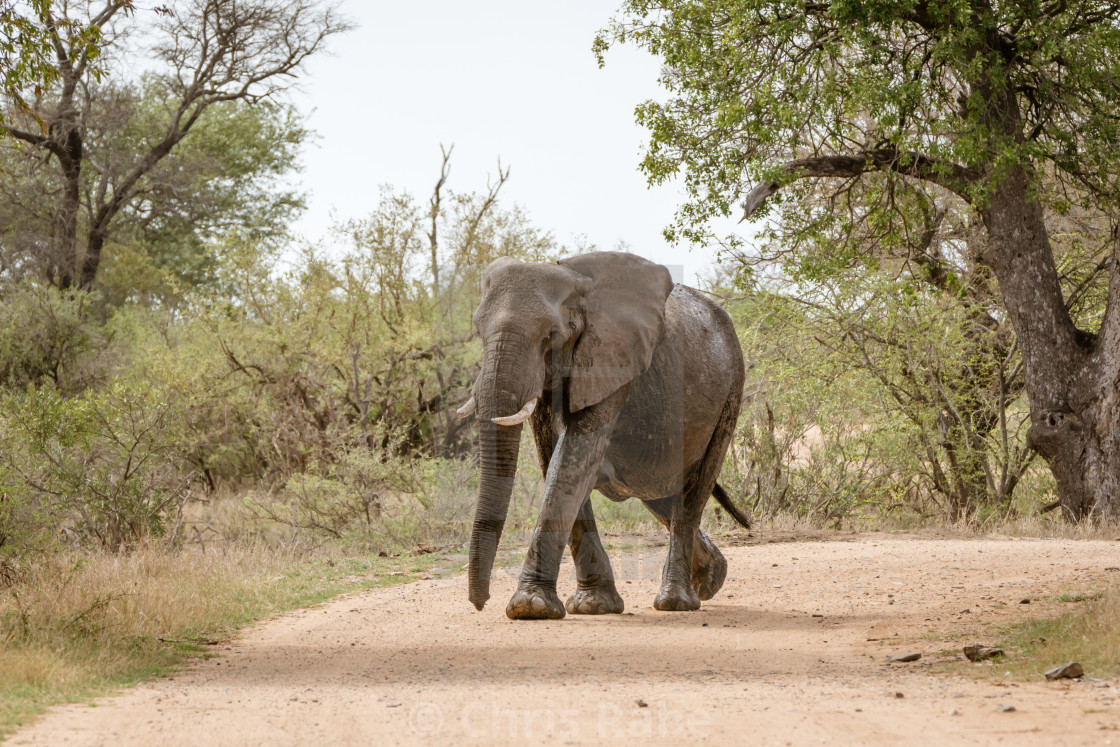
pixel 581 328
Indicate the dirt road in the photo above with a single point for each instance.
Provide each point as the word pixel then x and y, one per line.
pixel 792 651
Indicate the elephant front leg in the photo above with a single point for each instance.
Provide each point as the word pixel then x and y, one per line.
pixel 596 593
pixel 571 475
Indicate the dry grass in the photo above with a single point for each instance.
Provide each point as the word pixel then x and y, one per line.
pixel 1089 633
pixel 1040 526
pixel 74 627
pixel 1033 525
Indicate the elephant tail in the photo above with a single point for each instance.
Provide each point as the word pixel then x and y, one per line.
pixel 724 500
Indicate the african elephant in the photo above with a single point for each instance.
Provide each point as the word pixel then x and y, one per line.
pixel 632 386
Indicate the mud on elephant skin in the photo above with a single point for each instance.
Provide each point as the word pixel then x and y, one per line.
pixel 632 386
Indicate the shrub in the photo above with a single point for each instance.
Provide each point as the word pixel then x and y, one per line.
pixel 101 467
pixel 44 335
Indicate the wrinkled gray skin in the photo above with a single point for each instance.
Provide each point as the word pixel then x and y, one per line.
pixel 639 385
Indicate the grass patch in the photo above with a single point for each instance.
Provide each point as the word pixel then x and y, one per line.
pixel 623 517
pixel 1088 633
pixel 1072 598
pixel 76 627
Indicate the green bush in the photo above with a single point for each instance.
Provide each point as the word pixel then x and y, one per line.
pixel 45 334
pixel 842 423
pixel 101 468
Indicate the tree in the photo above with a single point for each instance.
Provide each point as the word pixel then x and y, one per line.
pixel 998 107
pixel 904 304
pixel 25 49
pixel 229 175
pixel 208 52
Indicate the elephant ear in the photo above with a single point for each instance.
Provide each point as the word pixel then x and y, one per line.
pixel 625 306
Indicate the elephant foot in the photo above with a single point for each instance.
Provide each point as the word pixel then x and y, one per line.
pixel 602 599
pixel 709 569
pixel 676 598
pixel 534 604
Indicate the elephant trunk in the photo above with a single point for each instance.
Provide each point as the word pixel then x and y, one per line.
pixel 498 394
pixel 498 446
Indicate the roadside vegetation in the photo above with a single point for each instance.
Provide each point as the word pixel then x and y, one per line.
pixel 1089 633
pixel 80 625
pixel 1083 629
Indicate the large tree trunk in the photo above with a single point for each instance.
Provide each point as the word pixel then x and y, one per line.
pixel 1081 449
pixel 1081 442
pixel 1071 379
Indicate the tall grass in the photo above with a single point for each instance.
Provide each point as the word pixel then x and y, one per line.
pixel 75 626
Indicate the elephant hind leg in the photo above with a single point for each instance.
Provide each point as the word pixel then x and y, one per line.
pixel 596 593
pixel 709 567
pixel 690 549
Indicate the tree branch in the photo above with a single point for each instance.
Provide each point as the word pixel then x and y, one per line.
pixel 218 39
pixel 28 137
pixel 433 214
pixel 491 197
pixel 98 22
pixel 954 177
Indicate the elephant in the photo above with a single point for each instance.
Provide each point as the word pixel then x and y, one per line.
pixel 632 386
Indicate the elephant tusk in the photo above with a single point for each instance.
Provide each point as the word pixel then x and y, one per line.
pixel 467 409
pixel 520 417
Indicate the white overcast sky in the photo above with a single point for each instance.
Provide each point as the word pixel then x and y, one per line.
pixel 509 79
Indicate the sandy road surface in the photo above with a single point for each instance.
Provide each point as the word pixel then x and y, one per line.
pixel 417 665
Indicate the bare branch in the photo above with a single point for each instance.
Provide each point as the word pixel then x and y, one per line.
pixel 433 214
pixel 491 198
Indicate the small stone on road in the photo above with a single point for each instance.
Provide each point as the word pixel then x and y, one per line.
pixel 905 657
pixel 982 653
pixel 1070 671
